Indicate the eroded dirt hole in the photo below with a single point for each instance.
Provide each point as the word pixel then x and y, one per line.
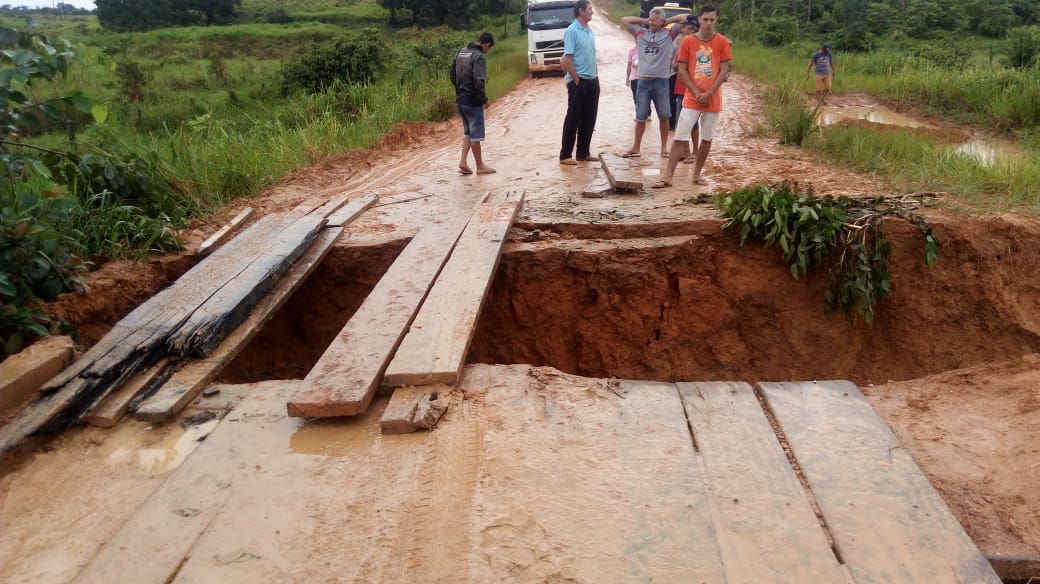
pixel 699 307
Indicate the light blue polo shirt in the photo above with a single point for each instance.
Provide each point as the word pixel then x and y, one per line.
pixel 578 41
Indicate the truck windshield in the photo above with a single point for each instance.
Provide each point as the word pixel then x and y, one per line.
pixel 549 18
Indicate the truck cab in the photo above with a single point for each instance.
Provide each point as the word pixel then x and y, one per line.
pixel 545 22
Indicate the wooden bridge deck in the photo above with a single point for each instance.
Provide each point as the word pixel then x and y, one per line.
pixel 533 473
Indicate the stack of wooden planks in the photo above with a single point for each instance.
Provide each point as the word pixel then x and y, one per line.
pixel 153 347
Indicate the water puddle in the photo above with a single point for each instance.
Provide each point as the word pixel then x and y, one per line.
pixel 334 437
pixel 992 151
pixel 872 114
pixel 986 150
pixel 153 449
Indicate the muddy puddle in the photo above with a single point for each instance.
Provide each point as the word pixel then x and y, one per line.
pixel 152 449
pixel 986 149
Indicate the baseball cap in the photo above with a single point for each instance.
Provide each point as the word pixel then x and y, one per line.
pixel 826 47
pixel 691 19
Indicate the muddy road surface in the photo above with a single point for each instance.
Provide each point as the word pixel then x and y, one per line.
pixel 530 477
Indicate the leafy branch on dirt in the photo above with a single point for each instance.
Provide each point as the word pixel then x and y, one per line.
pixel 810 230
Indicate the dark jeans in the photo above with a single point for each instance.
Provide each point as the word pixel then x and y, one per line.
pixel 678 102
pixel 582 107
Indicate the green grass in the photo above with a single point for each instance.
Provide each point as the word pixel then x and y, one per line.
pixel 990 99
pixel 916 163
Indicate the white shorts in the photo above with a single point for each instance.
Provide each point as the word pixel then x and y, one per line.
pixel 689 117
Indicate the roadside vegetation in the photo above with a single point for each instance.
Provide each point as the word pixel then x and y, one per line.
pixel 131 135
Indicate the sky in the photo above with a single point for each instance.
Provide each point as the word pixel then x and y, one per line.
pixel 88 4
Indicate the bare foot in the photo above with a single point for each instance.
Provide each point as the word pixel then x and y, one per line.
pixel 485 170
pixel 700 180
pixel 660 184
pixel 463 169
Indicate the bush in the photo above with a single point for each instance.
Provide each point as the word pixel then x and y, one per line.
pixel 353 58
pixel 36 263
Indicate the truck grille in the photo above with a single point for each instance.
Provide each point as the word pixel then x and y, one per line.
pixel 543 45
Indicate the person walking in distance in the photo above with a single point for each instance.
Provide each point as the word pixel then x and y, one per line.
pixel 823 62
pixel 579 63
pixel 469 75
pixel 703 63
pixel 654 44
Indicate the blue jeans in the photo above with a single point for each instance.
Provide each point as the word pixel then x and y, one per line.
pixel 657 91
pixel 472 121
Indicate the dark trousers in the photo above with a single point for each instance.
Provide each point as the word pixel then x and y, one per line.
pixel 582 107
pixel 675 110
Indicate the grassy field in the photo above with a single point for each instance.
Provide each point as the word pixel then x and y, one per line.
pixel 193 95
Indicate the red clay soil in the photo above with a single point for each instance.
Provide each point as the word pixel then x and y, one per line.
pixel 648 287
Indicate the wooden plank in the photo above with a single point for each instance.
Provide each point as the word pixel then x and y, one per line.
pixel 346 377
pixel 765 524
pixel 227 306
pixel 110 410
pixel 185 384
pixel 619 172
pixel 135 341
pixel 435 347
pixel 221 235
pixel 351 211
pixel 598 187
pixel 330 205
pixel 24 373
pixel 157 539
pixel 888 523
pixel 414 408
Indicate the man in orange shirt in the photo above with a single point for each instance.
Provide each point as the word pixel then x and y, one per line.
pixel 703 63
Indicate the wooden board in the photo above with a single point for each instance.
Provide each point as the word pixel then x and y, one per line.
pixel 134 343
pixel 619 172
pixel 599 186
pixel 24 373
pixel 414 408
pixel 765 525
pixel 346 377
pixel 351 210
pixel 217 239
pixel 226 306
pixel 435 347
pixel 194 376
pixel 156 540
pixel 888 523
pixel 115 405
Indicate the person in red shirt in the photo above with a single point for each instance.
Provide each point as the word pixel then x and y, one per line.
pixel 703 63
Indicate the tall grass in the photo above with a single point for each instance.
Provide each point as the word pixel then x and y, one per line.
pixel 993 99
pixel 915 162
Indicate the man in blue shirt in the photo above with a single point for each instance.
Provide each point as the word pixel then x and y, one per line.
pixel 823 62
pixel 579 63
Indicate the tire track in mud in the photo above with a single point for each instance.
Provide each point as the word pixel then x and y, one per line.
pixel 440 540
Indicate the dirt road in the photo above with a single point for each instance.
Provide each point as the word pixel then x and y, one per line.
pixel 481 498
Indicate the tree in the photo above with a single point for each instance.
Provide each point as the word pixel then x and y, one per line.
pixel 1023 46
pixel 139 15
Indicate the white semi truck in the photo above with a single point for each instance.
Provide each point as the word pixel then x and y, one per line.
pixel 546 21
